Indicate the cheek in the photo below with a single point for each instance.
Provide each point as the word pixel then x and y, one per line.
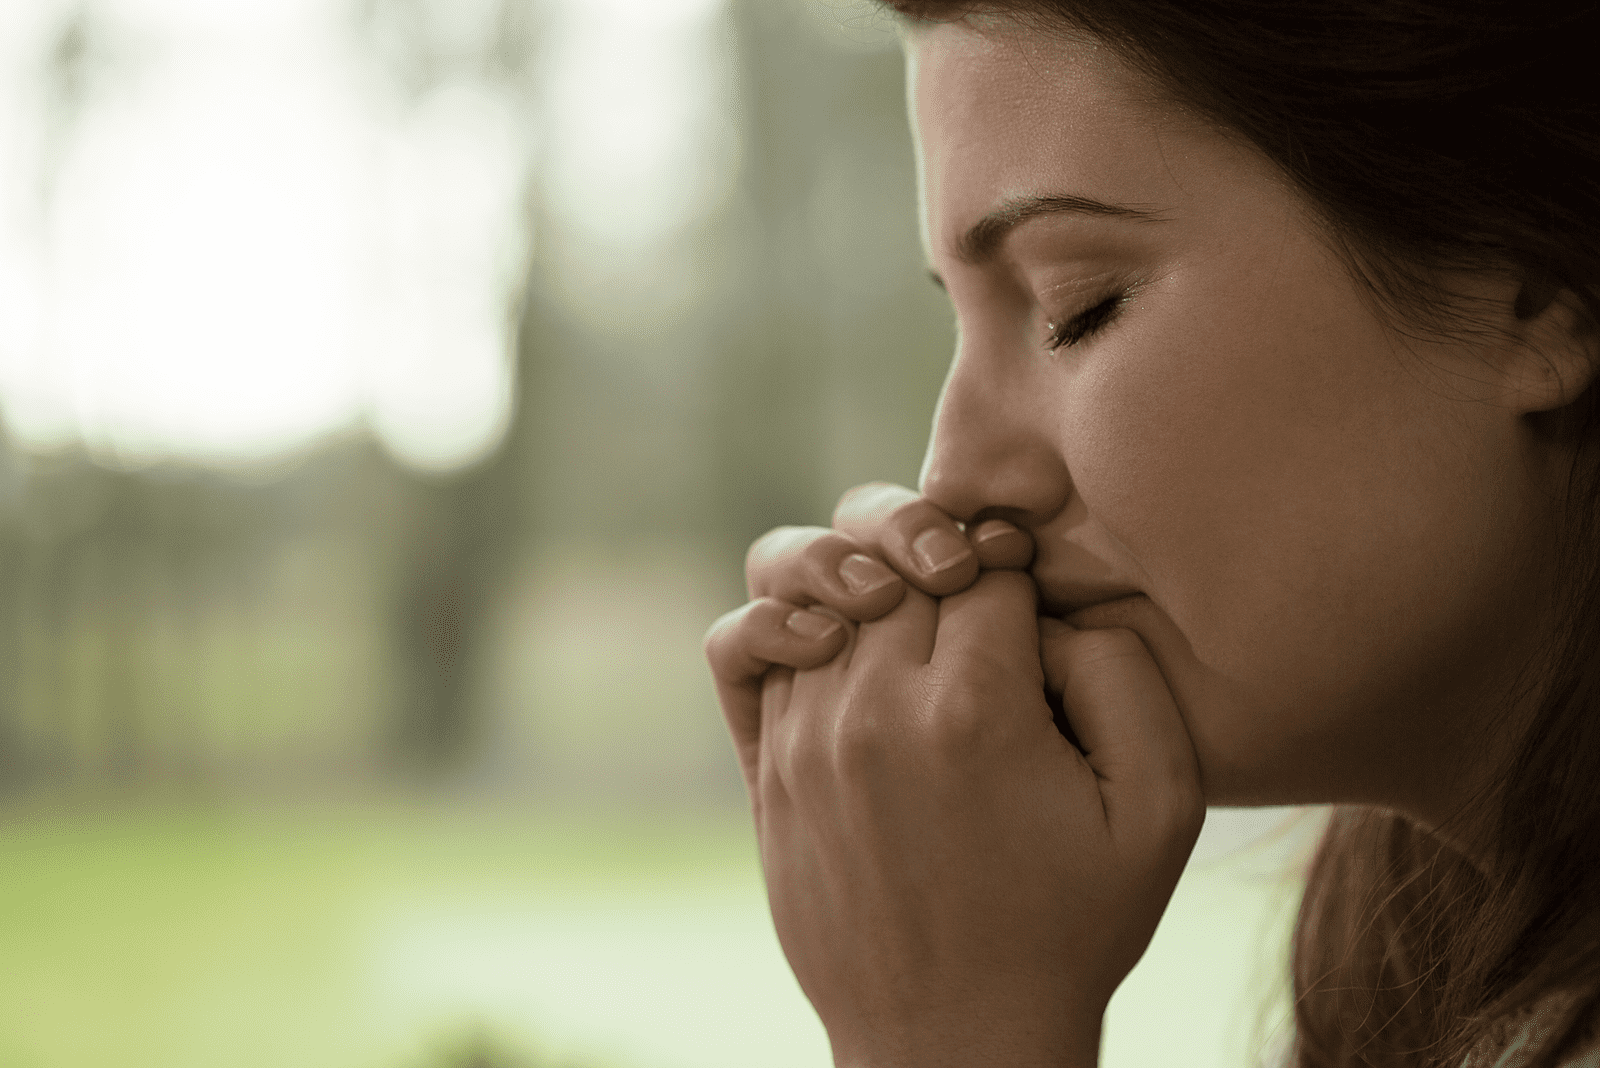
pixel 1315 523
pixel 1217 455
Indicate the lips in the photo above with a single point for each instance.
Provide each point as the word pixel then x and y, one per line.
pixel 1074 570
pixel 1078 564
pixel 1063 597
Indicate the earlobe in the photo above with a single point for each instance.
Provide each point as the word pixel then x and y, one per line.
pixel 1539 290
pixel 1559 349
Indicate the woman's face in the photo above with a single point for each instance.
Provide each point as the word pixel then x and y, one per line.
pixel 1327 529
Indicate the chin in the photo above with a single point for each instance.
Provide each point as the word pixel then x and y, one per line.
pixel 1249 754
pixel 1242 769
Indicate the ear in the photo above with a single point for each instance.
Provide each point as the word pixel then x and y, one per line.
pixel 1556 350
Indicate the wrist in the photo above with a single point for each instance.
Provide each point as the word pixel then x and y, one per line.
pixel 1080 1049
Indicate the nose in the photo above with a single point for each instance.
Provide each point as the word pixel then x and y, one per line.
pixel 992 454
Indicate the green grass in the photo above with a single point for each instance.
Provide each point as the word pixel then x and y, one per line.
pixel 178 938
pixel 415 937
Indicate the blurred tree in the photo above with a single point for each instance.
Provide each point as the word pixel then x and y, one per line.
pixel 71 65
pixel 464 529
pixel 835 347
pixel 331 616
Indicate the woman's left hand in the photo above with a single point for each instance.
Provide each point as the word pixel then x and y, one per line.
pixel 952 882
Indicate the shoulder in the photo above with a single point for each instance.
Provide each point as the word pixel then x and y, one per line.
pixel 1515 1040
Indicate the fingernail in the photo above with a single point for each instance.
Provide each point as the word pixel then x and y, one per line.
pixel 863 574
pixel 813 626
pixel 992 529
pixel 939 549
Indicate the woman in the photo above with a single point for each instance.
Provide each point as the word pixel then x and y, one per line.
pixel 1278 325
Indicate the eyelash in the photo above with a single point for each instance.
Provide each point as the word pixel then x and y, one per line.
pixel 1085 324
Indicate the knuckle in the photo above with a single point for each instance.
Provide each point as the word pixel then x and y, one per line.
pixel 772 538
pixel 785 558
pixel 857 752
pixel 860 739
pixel 869 503
pixel 865 491
pixel 812 752
pixel 775 544
pixel 959 730
pixel 958 720
pixel 807 757
pixel 721 632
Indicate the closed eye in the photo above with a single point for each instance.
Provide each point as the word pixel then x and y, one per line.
pixel 1086 323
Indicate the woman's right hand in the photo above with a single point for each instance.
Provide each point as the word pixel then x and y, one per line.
pixel 806 584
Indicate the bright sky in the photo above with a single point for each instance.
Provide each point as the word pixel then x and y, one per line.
pixel 250 241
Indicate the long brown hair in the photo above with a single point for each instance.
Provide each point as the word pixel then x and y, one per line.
pixel 1430 136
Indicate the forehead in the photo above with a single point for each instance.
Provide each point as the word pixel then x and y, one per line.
pixel 1000 111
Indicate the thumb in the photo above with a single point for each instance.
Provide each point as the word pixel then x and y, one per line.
pixel 992 624
pixel 1120 707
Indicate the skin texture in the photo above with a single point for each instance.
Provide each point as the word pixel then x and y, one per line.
pixel 1332 528
pixel 1327 537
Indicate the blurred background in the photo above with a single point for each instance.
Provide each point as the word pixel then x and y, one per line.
pixel 390 389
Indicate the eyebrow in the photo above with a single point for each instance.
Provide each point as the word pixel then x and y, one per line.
pixel 980 243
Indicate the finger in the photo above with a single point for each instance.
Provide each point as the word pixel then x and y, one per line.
pixel 744 643
pixel 992 627
pixel 1133 736
pixel 914 536
pixel 904 636
pixel 762 778
pixel 1000 544
pixel 815 565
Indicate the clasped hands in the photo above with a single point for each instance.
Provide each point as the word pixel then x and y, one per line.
pixel 952 881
